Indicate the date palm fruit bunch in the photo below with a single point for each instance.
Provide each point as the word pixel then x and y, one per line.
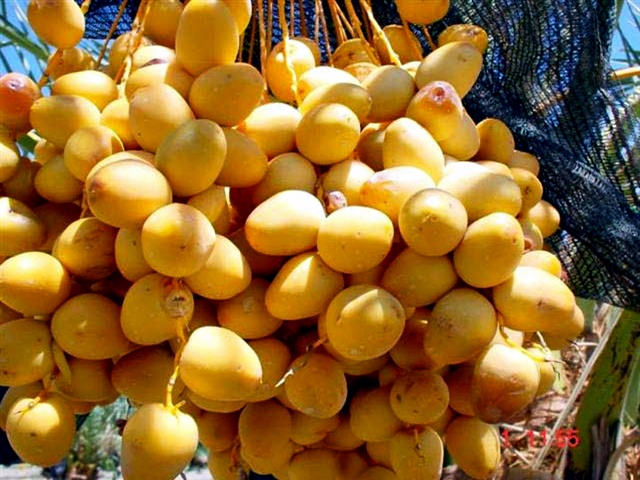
pixel 316 270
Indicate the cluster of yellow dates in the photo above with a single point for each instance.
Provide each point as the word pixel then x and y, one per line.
pixel 332 281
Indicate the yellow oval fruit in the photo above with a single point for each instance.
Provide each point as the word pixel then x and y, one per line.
pixel 273 127
pixel 59 23
pixel 534 300
pixel 171 74
pixel 546 218
pixel 496 141
pixel 465 141
pixel 55 182
pixel 496 167
pixel 525 160
pixel 432 222
pixel 17 94
pixel 303 287
pixel 459 384
pixel 328 133
pixel 403 42
pixel 212 202
pixel 458 63
pixel 482 191
pixel 422 11
pixel 283 69
pixel 120 49
pixel 20 228
pixel 391 89
pixel 288 171
pixel 245 164
pixel 406 143
pixel 408 353
pixel 154 112
pixel 285 224
pixel 546 369
pixel 377 473
pixel 87 146
pixel 73 59
pixel 438 108
pixel 474 446
pixel 388 189
pixel 219 365
pixel 115 116
pixel 241 11
pixel 544 260
pixel 157 442
pixel 224 274
pixel 217 431
pixel 211 23
pixel 226 465
pixel 161 22
pixel 57 117
pixel 465 32
pixel 177 240
pixel 312 45
pixel 530 187
pixel 419 397
pixel 356 367
pixel 317 385
pixel 371 417
pixel 505 380
pixel 97 87
pixel 353 50
pixel 216 406
pixel 364 321
pixel 416 280
pixel 41 431
pixel 275 359
pixel 86 248
pixel 88 326
pixel 33 283
pixel 490 250
pixel 379 453
pixel 322 75
pixel 461 325
pixel 124 193
pixel 416 454
pixel 155 308
pixel 246 313
pixel 9 155
pixel 347 177
pixel 264 429
pixel 128 254
pixel 89 381
pixel 353 96
pixel 143 374
pixel 307 430
pixel 361 70
pixel 532 235
pixel 260 263
pixel 355 239
pixel 25 352
pixel 13 394
pixel 21 186
pixel 314 464
pixel 342 437
pixel 226 94
pixel 352 464
pixel 147 55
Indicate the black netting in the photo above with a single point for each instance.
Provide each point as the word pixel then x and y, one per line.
pixel 547 76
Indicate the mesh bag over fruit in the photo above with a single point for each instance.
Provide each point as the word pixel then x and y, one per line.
pixel 547 76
